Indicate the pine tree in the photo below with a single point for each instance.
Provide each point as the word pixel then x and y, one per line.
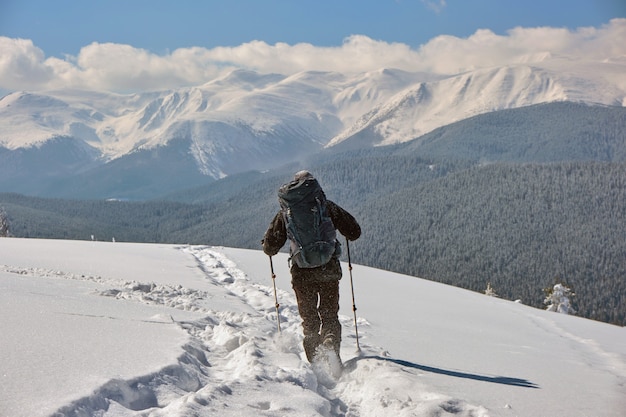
pixel 558 299
pixel 490 291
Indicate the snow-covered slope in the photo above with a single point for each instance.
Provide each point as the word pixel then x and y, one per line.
pixel 120 329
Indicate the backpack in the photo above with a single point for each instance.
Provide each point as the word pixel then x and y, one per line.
pixel 309 227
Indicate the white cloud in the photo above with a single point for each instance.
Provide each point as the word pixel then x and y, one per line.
pixel 357 53
pixel 448 54
pixel 21 65
pixel 118 67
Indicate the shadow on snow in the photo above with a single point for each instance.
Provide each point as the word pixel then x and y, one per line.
pixel 351 365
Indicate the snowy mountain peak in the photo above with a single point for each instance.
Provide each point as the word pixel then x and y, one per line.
pixel 425 106
pixel 247 120
pixel 245 79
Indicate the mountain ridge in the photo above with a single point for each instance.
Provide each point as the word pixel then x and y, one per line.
pixel 248 120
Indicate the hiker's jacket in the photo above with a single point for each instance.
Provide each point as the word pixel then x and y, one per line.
pixel 276 236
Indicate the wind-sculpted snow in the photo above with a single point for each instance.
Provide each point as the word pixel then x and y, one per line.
pixel 236 363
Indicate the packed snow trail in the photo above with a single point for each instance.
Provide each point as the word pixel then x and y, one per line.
pixel 236 363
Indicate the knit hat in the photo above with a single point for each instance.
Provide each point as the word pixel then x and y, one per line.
pixel 301 175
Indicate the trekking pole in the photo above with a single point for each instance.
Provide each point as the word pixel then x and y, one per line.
pixel 356 328
pixel 275 296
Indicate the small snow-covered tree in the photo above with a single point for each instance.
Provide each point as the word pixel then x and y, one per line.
pixel 490 291
pixel 4 223
pixel 558 299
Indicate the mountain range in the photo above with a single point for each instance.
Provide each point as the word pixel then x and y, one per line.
pixel 86 144
pixel 512 176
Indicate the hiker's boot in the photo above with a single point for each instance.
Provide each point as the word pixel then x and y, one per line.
pixel 310 343
pixel 331 343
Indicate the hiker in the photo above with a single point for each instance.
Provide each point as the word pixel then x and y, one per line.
pixel 315 268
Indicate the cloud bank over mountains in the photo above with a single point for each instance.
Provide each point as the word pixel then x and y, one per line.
pixel 124 68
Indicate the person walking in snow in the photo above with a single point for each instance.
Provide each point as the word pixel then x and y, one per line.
pixel 309 221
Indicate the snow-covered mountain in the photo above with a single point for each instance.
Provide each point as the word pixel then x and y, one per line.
pixel 248 120
pixel 420 108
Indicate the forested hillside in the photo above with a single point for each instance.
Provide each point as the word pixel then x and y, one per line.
pixel 104 220
pixel 519 227
pixel 542 133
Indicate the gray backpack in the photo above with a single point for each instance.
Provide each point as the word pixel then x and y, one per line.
pixel 312 235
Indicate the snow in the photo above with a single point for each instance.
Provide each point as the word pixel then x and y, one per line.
pixel 423 107
pixel 124 329
pixel 314 108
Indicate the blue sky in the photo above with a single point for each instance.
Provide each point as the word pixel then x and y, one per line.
pixel 133 45
pixel 64 26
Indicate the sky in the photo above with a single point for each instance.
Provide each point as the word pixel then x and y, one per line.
pixel 165 44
